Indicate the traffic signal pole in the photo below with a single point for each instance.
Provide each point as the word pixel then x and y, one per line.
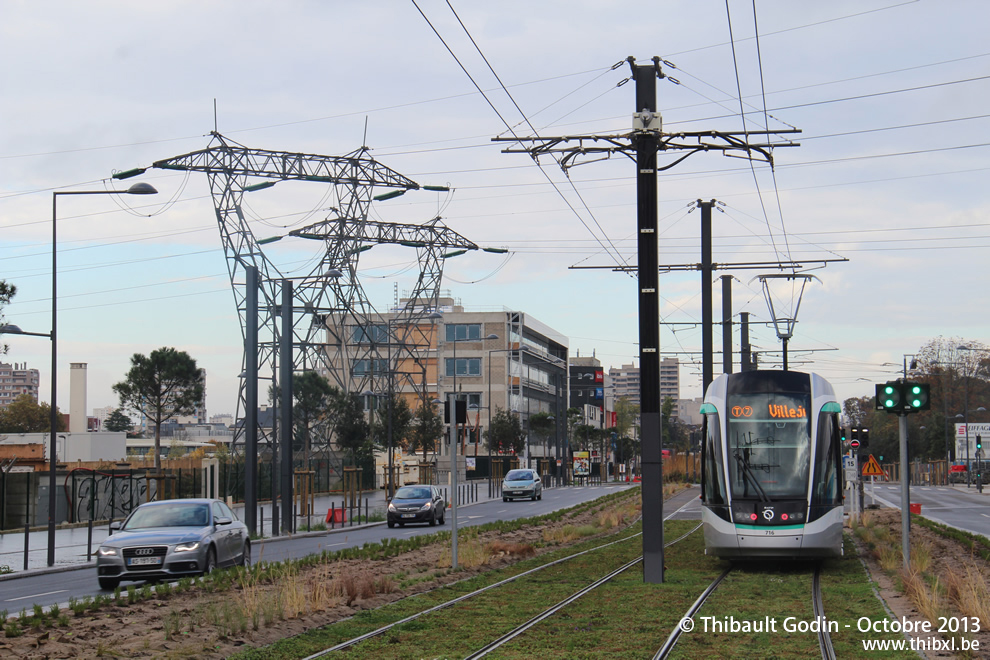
pixel 902 432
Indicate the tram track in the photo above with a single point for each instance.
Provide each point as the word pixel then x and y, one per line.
pixel 824 638
pixel 516 632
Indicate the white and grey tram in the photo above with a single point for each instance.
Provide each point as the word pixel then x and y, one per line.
pixel 771 466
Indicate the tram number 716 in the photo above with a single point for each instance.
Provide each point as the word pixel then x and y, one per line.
pixel 769 532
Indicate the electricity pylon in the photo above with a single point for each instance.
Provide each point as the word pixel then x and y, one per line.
pixel 329 298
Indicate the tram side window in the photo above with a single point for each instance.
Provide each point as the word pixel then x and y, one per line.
pixel 827 491
pixel 713 486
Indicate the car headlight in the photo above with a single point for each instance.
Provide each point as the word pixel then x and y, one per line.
pixel 427 506
pixel 391 507
pixel 107 552
pixel 187 547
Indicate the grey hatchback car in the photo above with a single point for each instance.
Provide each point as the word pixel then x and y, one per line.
pixel 172 538
pixel 417 504
pixel 522 483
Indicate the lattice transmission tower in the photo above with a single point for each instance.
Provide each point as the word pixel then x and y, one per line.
pixel 329 307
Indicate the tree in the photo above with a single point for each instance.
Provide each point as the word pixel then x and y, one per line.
pixel 117 421
pixel 625 414
pixel 402 421
pixel 585 436
pixel 7 292
pixel 425 429
pixel 351 428
pixel 504 434
pixel 542 425
pixel 163 385
pixel 25 415
pixel 311 395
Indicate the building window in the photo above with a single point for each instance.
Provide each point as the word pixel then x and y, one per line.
pixel 370 367
pixel 372 334
pixel 464 367
pixel 462 331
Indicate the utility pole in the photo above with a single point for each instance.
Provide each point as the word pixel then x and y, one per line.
pixel 645 142
pixel 642 145
pixel 707 270
pixel 726 324
pixel 745 350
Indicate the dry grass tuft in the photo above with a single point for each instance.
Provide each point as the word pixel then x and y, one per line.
pixel 970 594
pixel 921 557
pixel 386 584
pixel 501 548
pixel 928 601
pixel 471 553
pixel 890 558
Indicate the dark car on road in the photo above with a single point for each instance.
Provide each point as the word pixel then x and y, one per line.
pixel 417 504
pixel 171 539
pixel 522 482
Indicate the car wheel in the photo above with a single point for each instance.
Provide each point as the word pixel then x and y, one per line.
pixel 540 496
pixel 391 524
pixel 534 497
pixel 245 555
pixel 433 519
pixel 443 517
pixel 211 561
pixel 109 583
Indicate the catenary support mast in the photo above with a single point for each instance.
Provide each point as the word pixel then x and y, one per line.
pixel 641 145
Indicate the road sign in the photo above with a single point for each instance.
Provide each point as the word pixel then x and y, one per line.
pixel 872 468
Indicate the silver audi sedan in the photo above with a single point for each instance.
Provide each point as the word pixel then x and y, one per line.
pixel 172 538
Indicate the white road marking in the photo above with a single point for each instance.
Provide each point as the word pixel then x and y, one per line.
pixel 47 593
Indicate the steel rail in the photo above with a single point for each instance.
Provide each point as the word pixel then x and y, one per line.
pixel 672 639
pixel 379 631
pixel 824 637
pixel 512 634
pixel 441 606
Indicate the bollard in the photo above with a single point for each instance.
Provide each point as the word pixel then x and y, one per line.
pixel 89 540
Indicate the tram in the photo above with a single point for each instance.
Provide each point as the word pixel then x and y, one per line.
pixel 771 466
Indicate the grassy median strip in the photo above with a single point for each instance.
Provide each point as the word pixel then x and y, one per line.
pixel 433 635
pixel 624 618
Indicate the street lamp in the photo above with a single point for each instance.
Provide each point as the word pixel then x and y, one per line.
pixel 136 189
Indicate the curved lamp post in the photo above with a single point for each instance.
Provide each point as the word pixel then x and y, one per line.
pixel 136 189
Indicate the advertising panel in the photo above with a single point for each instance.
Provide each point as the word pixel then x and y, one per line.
pixel 582 464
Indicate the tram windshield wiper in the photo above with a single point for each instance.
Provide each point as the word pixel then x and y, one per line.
pixel 748 474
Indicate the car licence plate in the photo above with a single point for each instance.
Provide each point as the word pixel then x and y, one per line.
pixel 408 515
pixel 144 561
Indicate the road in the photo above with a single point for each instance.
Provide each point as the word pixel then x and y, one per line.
pixel 955 506
pixel 48 587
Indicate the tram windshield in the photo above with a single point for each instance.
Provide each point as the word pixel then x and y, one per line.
pixel 769 445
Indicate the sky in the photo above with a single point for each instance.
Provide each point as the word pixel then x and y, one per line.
pixel 884 202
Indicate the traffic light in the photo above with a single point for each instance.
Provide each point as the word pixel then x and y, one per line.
pixel 903 397
pixel 864 438
pixel 842 432
pixel 916 396
pixel 979 447
pixel 854 442
pixel 889 396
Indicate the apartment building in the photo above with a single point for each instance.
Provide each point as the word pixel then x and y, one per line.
pixel 16 379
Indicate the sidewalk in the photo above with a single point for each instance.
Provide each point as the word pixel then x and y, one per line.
pixel 71 544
